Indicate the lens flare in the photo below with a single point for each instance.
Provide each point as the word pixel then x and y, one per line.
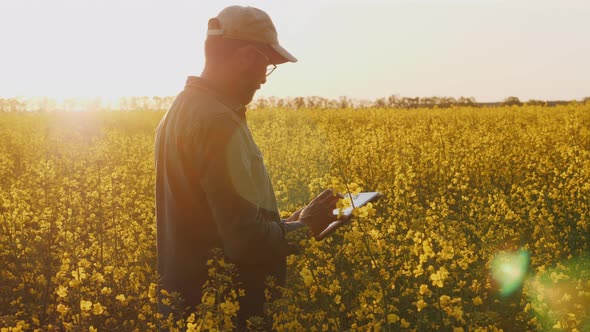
pixel 509 270
pixel 560 296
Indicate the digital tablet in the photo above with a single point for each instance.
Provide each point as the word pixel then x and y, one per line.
pixel 358 200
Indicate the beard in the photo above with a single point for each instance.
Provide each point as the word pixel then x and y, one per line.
pixel 248 86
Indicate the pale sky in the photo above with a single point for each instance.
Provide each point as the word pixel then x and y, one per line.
pixel 533 49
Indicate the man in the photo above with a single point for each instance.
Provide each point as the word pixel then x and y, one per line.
pixel 212 187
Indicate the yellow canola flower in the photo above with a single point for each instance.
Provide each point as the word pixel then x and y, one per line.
pixel 79 274
pixel 97 309
pixel 208 299
pixel 85 305
pixel 62 291
pixel 392 318
pixel 405 324
pixel 420 304
pixel 427 249
pixel 439 277
pixel 191 318
pixel 229 307
pixel 478 301
pixel 305 273
pixel 418 271
pixel 62 309
pixel 445 300
pixel 448 252
pixel 191 327
pixel 74 283
pixel 424 289
pixel 457 313
pixel 423 258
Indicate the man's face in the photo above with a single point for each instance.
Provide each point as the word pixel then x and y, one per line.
pixel 253 75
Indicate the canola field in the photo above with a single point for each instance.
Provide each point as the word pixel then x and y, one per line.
pixel 483 224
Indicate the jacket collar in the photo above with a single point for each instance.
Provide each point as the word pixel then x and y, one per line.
pixel 204 85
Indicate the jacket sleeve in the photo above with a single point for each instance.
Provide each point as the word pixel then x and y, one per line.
pixel 291 226
pixel 230 190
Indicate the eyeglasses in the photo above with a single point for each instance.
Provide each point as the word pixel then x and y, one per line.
pixel 271 67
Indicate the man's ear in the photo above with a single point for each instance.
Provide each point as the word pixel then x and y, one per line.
pixel 244 57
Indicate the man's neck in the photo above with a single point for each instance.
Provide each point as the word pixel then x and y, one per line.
pixel 220 84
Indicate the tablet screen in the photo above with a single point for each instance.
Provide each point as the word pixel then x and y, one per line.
pixel 358 200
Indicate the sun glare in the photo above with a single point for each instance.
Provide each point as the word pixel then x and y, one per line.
pixel 560 296
pixel 509 270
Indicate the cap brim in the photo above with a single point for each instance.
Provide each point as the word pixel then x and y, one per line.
pixel 282 55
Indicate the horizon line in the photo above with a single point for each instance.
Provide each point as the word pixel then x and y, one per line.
pixel 349 98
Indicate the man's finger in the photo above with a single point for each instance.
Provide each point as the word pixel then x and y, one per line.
pixel 345 218
pixel 325 194
pixel 332 199
pixel 329 192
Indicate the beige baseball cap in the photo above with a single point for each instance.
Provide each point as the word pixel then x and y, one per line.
pixel 250 24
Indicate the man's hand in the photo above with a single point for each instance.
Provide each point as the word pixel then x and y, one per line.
pixel 318 214
pixel 295 216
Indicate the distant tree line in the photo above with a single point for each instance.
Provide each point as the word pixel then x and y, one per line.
pixel 345 102
pixel 45 104
pixel 394 101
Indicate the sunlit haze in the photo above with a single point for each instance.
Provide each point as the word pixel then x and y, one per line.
pixel 360 49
